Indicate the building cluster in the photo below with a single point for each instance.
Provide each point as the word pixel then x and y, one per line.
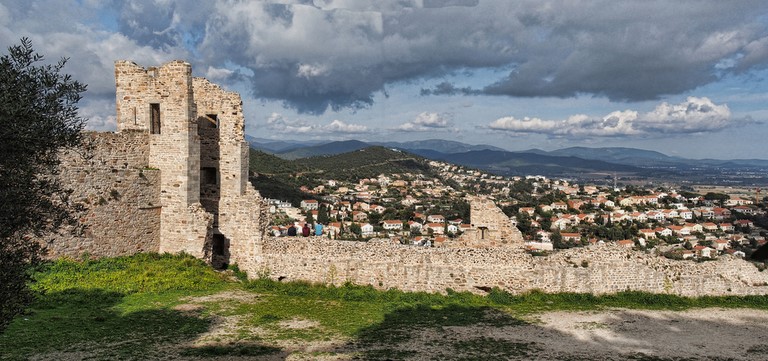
pixel 409 208
pixel 551 213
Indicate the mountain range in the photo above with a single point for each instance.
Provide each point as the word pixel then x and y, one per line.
pixel 567 162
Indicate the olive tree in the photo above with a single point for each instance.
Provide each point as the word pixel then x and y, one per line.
pixel 38 117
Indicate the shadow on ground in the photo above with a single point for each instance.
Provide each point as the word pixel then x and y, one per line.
pixel 423 333
pixel 85 324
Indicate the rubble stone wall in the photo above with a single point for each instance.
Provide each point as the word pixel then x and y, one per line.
pixel 608 268
pixel 118 193
pixel 238 206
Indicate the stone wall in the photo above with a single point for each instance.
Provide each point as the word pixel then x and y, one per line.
pixel 490 228
pixel 237 206
pixel 608 268
pixel 118 193
pixel 141 187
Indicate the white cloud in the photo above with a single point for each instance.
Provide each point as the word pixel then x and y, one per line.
pixel 278 122
pixel 695 115
pixel 338 126
pixel 100 115
pixel 214 73
pixel 309 71
pixel 427 121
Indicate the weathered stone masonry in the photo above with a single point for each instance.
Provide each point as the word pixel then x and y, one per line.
pixel 165 194
pixel 119 193
pixel 174 179
pixel 596 269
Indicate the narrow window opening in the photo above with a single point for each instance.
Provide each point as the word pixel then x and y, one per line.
pixel 154 118
pixel 208 175
pixel 212 121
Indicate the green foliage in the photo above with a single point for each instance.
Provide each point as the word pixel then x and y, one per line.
pixel 38 116
pixel 366 163
pixel 261 162
pixel 355 229
pixel 279 187
pixel 125 301
pixel 718 197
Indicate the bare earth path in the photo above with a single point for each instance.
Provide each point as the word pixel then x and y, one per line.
pixel 620 334
pixel 731 334
pixel 701 334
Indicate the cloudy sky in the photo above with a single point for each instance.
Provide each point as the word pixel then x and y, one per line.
pixel 685 78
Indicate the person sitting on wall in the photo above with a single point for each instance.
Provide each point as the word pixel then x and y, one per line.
pixel 292 231
pixel 305 231
pixel 318 229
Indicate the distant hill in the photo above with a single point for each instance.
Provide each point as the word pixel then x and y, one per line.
pixel 566 162
pixel 294 150
pixel 649 158
pixel 331 148
pixel 262 162
pixel 366 163
pixel 438 145
pixel 620 155
pixel 516 163
pixel 276 146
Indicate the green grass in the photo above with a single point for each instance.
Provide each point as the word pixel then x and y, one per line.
pixel 125 308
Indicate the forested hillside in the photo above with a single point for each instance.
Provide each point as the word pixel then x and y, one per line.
pixel 366 163
pixel 279 178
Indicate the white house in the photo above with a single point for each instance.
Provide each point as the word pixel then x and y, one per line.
pixel 309 204
pixel 435 218
pixel 437 228
pixel 392 224
pixel 367 230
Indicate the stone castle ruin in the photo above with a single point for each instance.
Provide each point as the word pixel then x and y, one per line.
pixel 490 227
pixel 173 178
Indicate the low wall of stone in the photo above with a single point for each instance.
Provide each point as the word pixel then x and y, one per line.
pixel 118 197
pixel 608 268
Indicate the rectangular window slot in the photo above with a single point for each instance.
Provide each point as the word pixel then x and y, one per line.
pixel 154 118
pixel 208 175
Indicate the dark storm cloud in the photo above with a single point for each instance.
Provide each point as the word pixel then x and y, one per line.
pixel 333 54
pixel 149 22
pixel 319 57
pixel 336 54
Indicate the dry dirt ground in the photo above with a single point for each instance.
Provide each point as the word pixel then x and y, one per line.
pixel 699 334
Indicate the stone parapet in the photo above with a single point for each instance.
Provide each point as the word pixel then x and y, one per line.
pixel 596 269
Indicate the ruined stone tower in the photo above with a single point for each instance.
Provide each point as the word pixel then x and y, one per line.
pixel 196 136
pixel 490 227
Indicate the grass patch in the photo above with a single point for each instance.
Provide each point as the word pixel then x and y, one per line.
pixel 126 308
pixel 110 308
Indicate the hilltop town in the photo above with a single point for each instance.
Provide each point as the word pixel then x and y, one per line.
pixel 429 209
